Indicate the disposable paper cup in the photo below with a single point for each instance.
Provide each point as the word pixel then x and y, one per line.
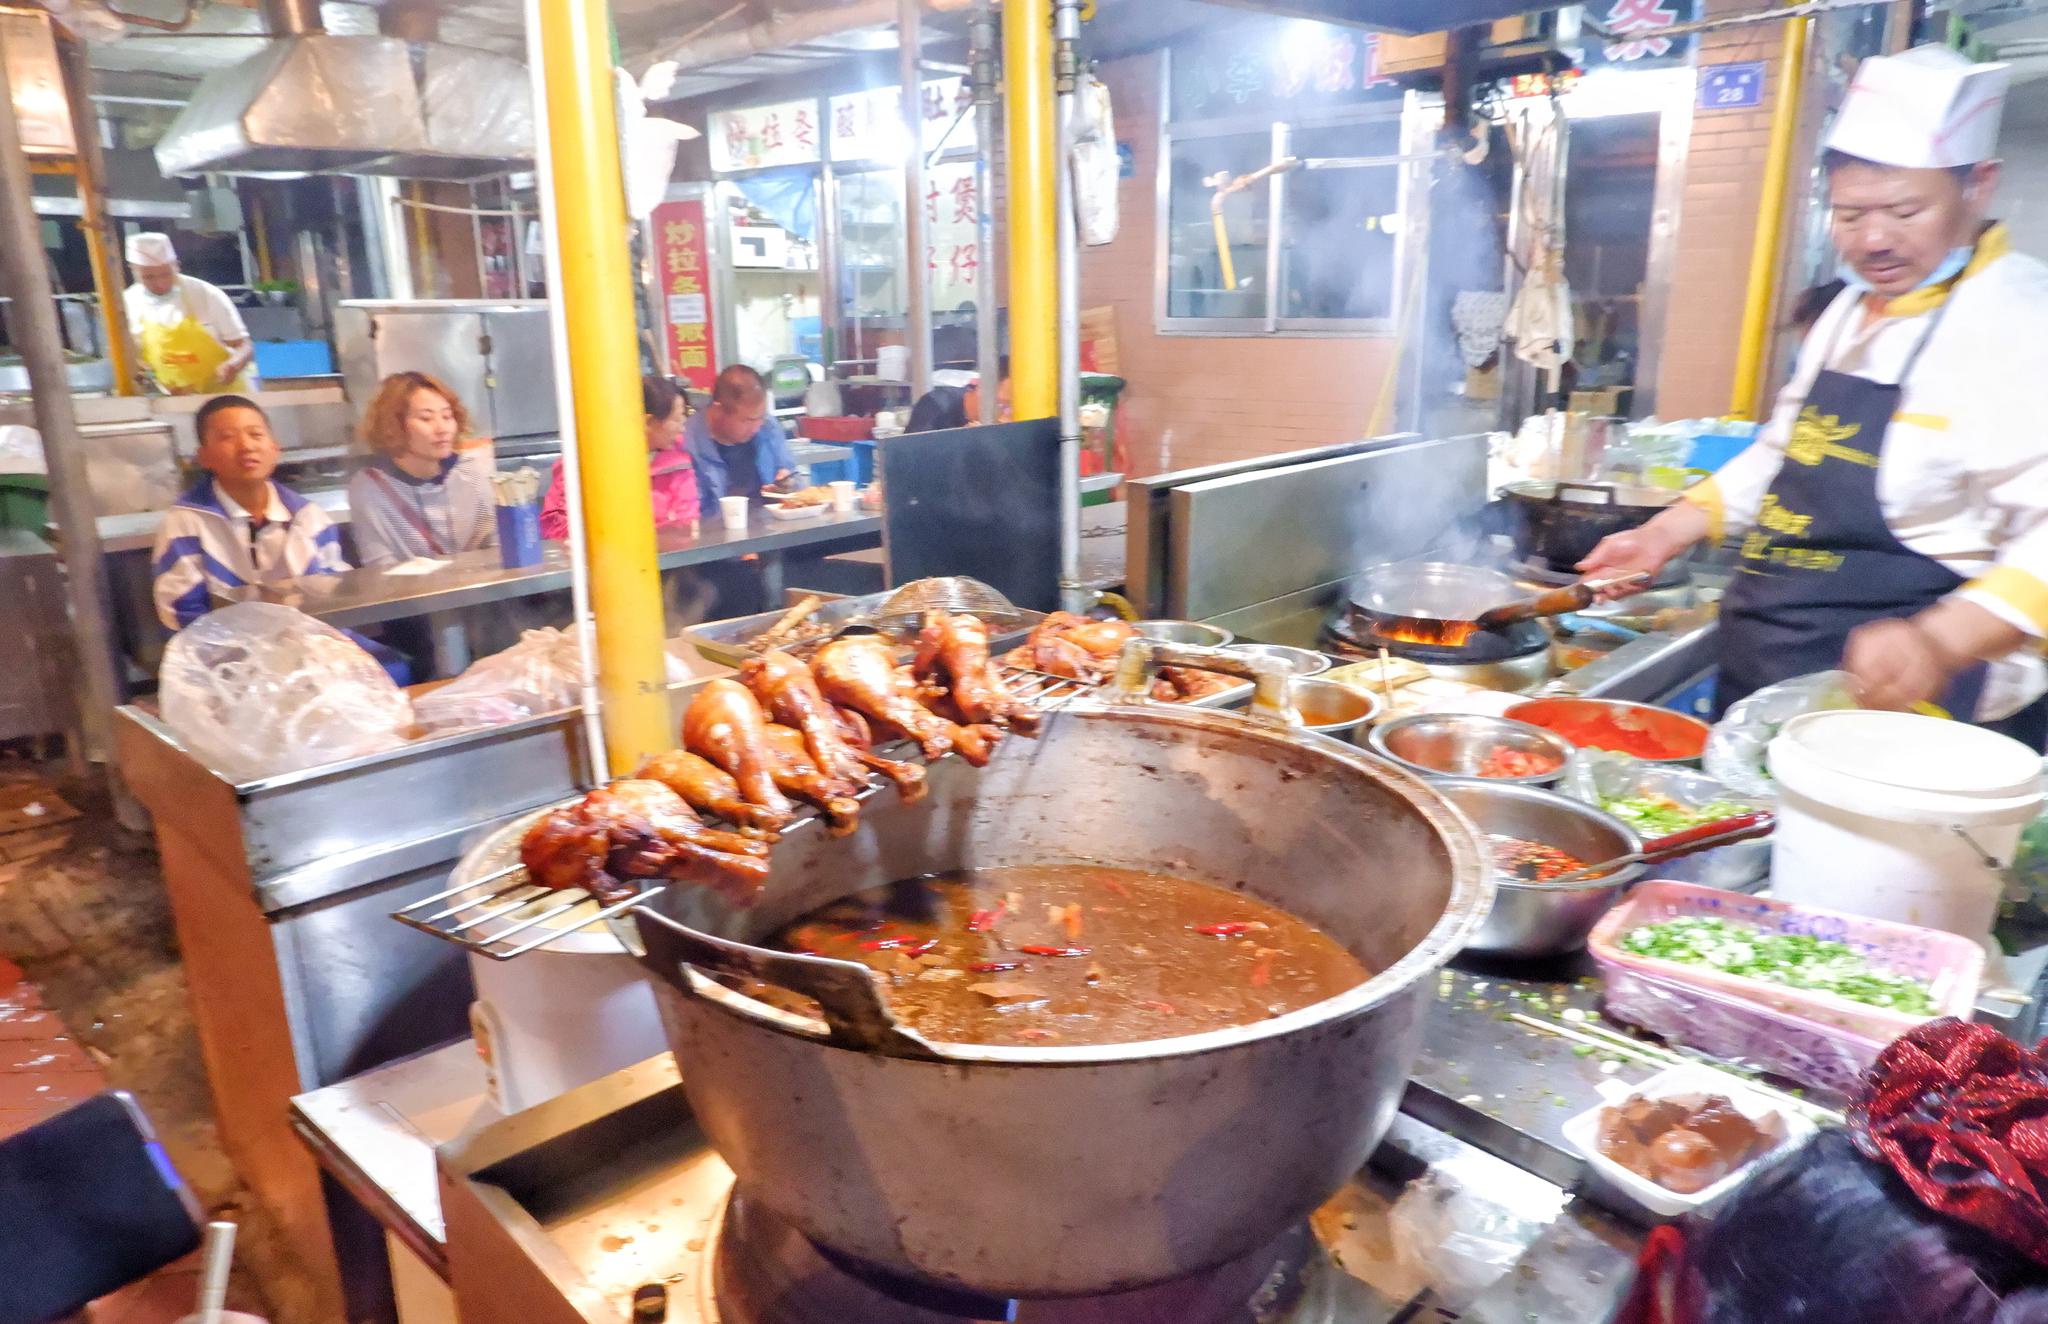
pixel 844 494
pixel 734 509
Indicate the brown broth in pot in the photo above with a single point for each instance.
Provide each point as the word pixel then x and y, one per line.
pixel 1071 954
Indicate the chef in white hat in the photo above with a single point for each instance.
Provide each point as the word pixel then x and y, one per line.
pixel 192 337
pixel 1893 514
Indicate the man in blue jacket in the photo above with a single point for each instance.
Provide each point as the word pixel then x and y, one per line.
pixel 736 444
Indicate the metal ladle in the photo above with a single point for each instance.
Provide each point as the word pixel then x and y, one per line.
pixel 1705 837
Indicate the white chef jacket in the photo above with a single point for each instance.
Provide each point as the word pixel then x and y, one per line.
pixel 1964 472
pixel 203 302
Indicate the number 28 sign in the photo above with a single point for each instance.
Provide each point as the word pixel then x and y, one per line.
pixel 1731 86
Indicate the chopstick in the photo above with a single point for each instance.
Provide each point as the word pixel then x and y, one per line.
pixel 1609 1041
pixel 791 618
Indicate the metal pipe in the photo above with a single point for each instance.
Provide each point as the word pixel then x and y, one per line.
pixel 917 286
pixel 25 279
pixel 102 236
pixel 1066 18
pixel 694 50
pixel 592 296
pixel 1751 374
pixel 1027 126
pixel 291 18
pixel 981 61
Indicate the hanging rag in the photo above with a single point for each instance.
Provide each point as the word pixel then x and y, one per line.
pixel 1540 321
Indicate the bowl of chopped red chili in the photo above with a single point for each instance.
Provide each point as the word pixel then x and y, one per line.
pixel 1654 735
pixel 1534 835
pixel 1472 745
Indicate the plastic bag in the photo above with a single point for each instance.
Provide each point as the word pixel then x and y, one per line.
pixel 21 450
pixel 257 689
pixel 1455 1239
pixel 1735 750
pixel 542 673
pixel 1095 164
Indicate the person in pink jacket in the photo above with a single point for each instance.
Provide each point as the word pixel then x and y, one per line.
pixel 673 473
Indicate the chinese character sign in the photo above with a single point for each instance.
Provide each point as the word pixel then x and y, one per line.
pixel 682 265
pixel 1305 64
pixel 1638 28
pixel 953 255
pixel 868 126
pixel 785 134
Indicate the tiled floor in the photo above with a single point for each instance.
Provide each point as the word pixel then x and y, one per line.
pixel 100 1005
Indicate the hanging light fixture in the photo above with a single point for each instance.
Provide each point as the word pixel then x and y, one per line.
pixel 37 79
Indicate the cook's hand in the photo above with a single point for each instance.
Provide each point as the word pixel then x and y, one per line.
pixel 1630 552
pixel 1895 664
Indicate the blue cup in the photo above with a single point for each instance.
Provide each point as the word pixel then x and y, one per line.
pixel 519 536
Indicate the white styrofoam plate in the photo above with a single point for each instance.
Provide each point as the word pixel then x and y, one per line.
pixel 1583 1132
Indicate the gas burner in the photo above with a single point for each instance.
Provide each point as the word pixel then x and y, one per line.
pixel 1541 570
pixel 766 1272
pixel 1485 647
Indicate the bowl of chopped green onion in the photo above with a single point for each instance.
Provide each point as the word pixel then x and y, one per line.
pixel 1658 800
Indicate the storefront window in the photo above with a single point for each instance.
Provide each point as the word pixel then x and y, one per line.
pixel 1194 265
pixel 1339 238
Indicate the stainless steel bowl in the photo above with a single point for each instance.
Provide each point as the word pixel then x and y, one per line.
pixel 1331 709
pixel 1184 632
pixel 1531 919
pixel 1741 867
pixel 1295 661
pixel 1455 744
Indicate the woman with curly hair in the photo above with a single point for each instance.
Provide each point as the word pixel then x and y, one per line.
pixel 419 495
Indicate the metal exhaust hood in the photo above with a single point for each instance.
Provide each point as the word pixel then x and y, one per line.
pixel 312 102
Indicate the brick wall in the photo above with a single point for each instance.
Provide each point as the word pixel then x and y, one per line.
pixel 1716 226
pixel 1204 399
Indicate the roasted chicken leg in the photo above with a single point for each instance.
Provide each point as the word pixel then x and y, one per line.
pixel 726 726
pixel 634 830
pixel 955 649
pixel 706 786
pixel 860 672
pixel 798 775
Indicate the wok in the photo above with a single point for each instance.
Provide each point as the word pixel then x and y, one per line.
pixel 1561 523
pixel 1442 603
pixel 1067 1171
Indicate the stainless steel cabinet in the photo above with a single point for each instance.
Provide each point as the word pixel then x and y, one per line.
pixel 493 353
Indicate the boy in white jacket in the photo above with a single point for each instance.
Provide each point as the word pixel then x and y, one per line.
pixel 236 529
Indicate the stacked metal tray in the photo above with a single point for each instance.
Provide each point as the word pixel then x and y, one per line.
pixel 731 642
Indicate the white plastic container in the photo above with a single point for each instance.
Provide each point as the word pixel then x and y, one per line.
pixel 569 1013
pixel 1582 1133
pixel 1890 815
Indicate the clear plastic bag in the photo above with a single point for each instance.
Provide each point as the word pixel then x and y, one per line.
pixel 542 673
pixel 1735 750
pixel 1454 1238
pixel 257 689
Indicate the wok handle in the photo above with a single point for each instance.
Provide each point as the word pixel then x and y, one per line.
pixel 1709 836
pixel 1138 666
pixel 845 992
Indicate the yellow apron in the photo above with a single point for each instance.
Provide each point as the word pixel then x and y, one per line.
pixel 184 356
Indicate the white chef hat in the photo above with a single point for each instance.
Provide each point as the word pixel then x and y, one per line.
pixel 151 249
pixel 1929 108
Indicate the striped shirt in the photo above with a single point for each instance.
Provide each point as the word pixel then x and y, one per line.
pixel 209 547
pixel 396 517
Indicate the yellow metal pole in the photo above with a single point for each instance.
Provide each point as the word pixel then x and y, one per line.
pixel 594 290
pixel 93 222
pixel 1223 258
pixel 1027 127
pixel 260 223
pixel 1751 372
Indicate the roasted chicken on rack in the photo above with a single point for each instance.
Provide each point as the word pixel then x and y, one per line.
pixel 860 672
pixel 953 650
pixel 798 775
pixel 789 692
pixel 1064 644
pixel 725 725
pixel 633 830
pixel 706 786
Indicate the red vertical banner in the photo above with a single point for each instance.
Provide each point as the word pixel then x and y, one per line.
pixel 682 257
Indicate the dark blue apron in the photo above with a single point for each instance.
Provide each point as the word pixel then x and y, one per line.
pixel 1821 560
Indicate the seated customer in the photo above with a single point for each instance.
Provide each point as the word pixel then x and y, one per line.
pixel 737 444
pixel 945 407
pixel 419 496
pixel 671 471
pixel 235 528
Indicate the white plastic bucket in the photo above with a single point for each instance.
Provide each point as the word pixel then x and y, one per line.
pixel 550 1020
pixel 1885 814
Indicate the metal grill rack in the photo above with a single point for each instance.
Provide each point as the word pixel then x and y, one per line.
pixel 504 913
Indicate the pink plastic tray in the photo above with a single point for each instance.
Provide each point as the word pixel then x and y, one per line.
pixel 1950 965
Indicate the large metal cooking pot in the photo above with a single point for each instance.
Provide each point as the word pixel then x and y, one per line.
pixel 1065 1171
pixel 1560 523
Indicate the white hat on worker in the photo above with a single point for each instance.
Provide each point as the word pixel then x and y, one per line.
pixel 1929 108
pixel 150 249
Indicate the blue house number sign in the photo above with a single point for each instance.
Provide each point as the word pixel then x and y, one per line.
pixel 1731 86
